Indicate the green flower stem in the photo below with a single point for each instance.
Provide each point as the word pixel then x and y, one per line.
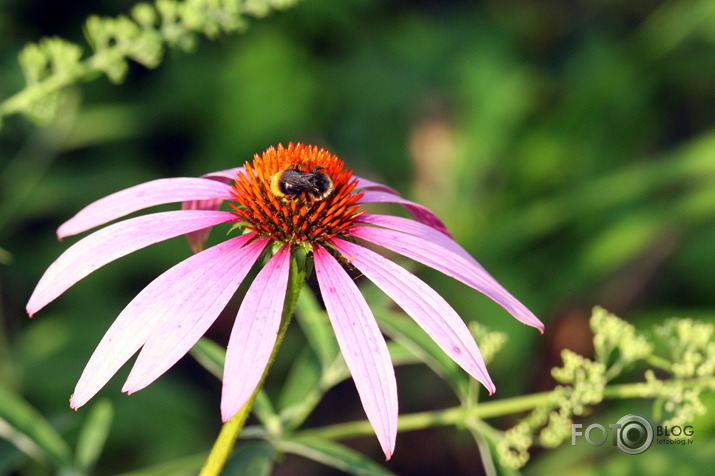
pixel 231 429
pixel 452 416
pixel 21 101
pixel 659 362
pixel 227 437
pixel 83 71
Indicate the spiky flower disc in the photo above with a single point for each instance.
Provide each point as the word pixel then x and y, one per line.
pixel 301 220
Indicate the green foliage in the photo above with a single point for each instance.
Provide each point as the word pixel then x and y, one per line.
pixel 334 455
pixel 689 352
pixel 691 357
pixel 252 458
pixel 54 64
pixel 93 436
pixel 683 346
pixel 23 425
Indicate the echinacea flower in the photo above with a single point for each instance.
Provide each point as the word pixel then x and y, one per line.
pixel 166 319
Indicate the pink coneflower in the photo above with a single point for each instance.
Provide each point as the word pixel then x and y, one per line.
pixel 323 214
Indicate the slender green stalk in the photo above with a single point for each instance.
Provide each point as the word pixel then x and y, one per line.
pixel 20 101
pixel 451 416
pixel 659 362
pixel 231 429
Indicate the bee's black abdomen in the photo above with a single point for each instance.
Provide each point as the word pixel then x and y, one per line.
pixel 322 186
pixel 290 183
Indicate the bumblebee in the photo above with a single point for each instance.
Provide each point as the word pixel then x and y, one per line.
pixel 291 182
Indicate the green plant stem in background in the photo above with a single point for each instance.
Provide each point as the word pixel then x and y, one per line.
pixel 231 429
pixel 455 415
pixel 53 64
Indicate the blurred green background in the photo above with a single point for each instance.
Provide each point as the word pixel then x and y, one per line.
pixel 569 145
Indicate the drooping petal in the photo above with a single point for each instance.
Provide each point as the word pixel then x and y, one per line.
pixel 113 242
pixel 156 192
pixel 194 304
pixel 449 263
pixel 366 184
pixel 362 346
pixel 412 227
pixel 225 176
pixel 429 310
pixel 420 212
pixel 198 238
pixel 194 285
pixel 254 333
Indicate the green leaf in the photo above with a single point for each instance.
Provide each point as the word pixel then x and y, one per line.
pixel 24 427
pixel 303 377
pixel 316 327
pixel 307 382
pixel 609 250
pixel 303 389
pixel 408 334
pixel 188 466
pixel 93 435
pixel 210 355
pixel 251 458
pixel 401 355
pixel 263 409
pixel 334 455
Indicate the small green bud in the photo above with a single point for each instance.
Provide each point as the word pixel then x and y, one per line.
pixel 145 15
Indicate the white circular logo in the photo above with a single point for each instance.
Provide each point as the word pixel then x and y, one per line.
pixel 635 435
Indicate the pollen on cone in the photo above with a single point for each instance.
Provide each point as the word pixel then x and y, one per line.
pixel 304 217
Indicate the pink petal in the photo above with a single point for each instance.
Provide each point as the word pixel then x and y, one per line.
pixel 191 286
pixel 429 310
pixel 193 302
pixel 370 185
pixel 197 239
pixel 412 227
pixel 362 346
pixel 254 333
pixel 449 263
pixel 421 213
pixel 156 192
pixel 225 176
pixel 113 242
